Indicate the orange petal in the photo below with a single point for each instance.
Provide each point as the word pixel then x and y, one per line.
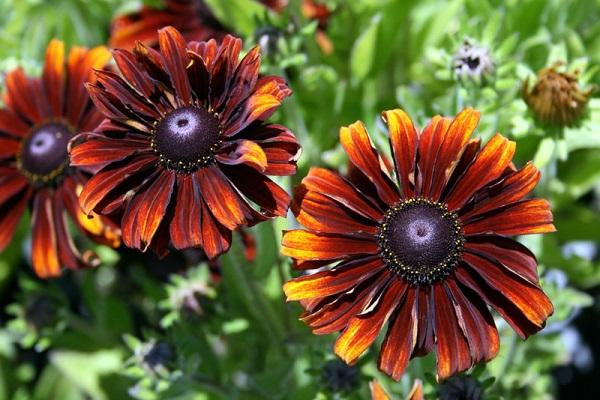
pixel 340 279
pixel 44 251
pixel 320 213
pixel 335 187
pixel 510 189
pixel 488 165
pixel 522 218
pixel 186 226
pixel 451 148
pixel 377 391
pixel 404 138
pixel 523 305
pixel 53 77
pixel 453 353
pixel 361 152
pixel 243 152
pixel 401 338
pixel 307 245
pixel 363 329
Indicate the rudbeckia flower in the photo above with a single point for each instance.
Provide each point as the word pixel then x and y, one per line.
pixel 422 245
pixel 192 17
pixel 184 153
pixel 39 118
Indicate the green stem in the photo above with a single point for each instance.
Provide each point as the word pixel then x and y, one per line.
pixel 512 352
pixel 551 168
pixel 253 299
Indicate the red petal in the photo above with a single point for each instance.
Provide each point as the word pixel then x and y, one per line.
pixel 11 183
pixel 44 251
pixel 425 332
pixel 404 138
pixel 510 253
pixel 524 306
pixel 488 165
pixel 522 218
pixel 199 77
pixel 174 52
pixel 339 189
pixel 243 82
pixel 216 239
pixel 68 253
pixel 451 148
pixel 320 213
pixel 128 98
pixel 10 214
pixel 270 197
pixel 100 150
pixel 453 353
pixel 511 189
pixel 11 124
pixel 341 278
pixel 307 245
pixel 363 329
pixel 133 74
pixel 186 227
pixel 401 338
pixel 363 155
pixel 268 95
pixel 279 145
pixel 19 88
pixel 146 210
pixel 109 178
pixel 222 68
pixel 476 323
pixel 430 141
pixel 243 152
pixel 222 199
pixel 8 148
pixel 53 77
pixel 338 310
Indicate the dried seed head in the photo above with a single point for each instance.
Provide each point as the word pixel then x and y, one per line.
pixel 556 97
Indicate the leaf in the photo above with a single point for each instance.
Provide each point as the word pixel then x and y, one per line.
pixel 84 370
pixel 363 52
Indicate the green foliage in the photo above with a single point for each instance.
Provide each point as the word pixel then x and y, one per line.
pixel 234 336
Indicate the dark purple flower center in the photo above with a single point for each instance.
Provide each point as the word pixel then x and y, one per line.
pixel 44 154
pixel 187 139
pixel 420 240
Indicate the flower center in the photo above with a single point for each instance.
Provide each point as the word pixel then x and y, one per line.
pixel 472 62
pixel 187 139
pixel 420 240
pixel 44 156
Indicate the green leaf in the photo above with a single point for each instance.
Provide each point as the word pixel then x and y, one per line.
pixel 84 370
pixel 363 53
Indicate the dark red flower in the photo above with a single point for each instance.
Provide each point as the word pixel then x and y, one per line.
pixel 192 18
pixel 422 247
pixel 184 150
pixel 39 118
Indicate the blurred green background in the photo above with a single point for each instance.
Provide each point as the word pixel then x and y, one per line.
pixel 143 328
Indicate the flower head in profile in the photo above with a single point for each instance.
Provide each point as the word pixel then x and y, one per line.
pixel 421 244
pixel 193 18
pixel 474 62
pixel 184 152
pixel 39 117
pixel 556 97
